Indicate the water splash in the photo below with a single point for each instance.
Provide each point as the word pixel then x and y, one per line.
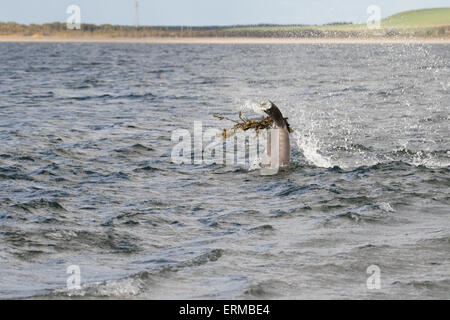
pixel 305 135
pixel 253 106
pixel 310 147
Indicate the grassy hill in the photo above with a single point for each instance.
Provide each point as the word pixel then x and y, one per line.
pixel 419 18
pixel 422 18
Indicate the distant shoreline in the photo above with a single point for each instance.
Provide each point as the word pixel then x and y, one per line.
pixel 230 40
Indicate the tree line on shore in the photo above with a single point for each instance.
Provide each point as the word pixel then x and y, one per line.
pixel 261 30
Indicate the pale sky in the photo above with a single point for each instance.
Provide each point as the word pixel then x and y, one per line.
pixel 207 12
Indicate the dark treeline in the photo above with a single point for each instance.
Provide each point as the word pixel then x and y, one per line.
pixel 60 29
pixel 337 23
pixel 12 27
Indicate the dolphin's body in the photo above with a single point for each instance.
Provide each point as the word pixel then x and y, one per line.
pixel 284 147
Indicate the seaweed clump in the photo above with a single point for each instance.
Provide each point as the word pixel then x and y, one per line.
pixel 247 124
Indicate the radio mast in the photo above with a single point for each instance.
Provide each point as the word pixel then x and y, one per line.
pixel 137 13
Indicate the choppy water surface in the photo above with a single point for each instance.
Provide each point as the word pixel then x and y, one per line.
pixel 86 176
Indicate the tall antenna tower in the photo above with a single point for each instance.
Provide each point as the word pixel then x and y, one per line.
pixel 137 13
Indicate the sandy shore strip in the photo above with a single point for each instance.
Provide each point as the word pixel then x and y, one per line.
pixel 227 40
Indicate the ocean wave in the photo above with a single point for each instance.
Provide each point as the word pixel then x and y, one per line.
pixel 268 289
pixel 364 213
pixel 135 284
pixel 425 285
pixel 107 96
pixel 29 206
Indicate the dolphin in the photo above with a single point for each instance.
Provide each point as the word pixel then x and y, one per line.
pixel 280 132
